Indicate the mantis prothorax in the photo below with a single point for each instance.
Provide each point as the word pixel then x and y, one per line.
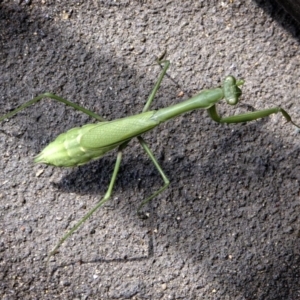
pixel 80 145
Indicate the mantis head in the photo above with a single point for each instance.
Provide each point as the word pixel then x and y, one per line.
pixel 232 92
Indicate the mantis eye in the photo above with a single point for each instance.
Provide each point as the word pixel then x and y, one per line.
pixel 231 90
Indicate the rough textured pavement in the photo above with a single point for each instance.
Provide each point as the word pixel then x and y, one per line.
pixel 228 227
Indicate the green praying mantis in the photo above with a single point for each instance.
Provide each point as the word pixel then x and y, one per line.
pixel 80 145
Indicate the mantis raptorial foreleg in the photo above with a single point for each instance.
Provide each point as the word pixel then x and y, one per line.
pixel 81 145
pixel 247 117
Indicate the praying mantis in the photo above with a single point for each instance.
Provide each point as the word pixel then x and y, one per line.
pixel 80 145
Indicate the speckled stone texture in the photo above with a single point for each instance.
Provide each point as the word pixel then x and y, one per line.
pixel 228 226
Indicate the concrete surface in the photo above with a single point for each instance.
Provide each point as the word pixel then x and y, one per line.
pixel 227 227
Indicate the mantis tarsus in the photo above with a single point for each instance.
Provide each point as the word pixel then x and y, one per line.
pixel 83 144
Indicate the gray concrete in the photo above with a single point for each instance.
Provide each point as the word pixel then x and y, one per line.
pixel 228 226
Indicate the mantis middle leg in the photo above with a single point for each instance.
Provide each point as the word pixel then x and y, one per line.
pixel 159 169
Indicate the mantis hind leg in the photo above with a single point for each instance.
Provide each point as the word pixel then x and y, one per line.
pixel 54 97
pixel 159 169
pixel 98 205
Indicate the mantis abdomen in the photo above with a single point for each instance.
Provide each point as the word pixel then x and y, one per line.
pixel 80 145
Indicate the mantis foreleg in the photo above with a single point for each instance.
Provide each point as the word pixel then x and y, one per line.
pixel 251 116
